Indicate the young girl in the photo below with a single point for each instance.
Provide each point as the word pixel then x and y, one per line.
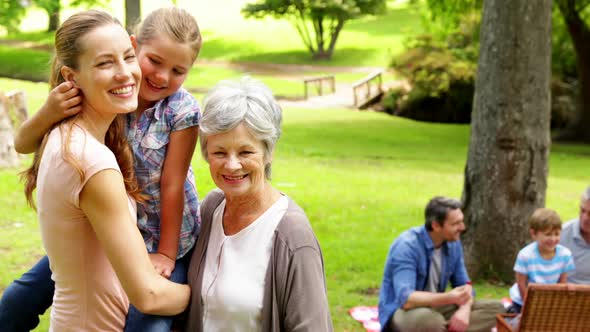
pixel 162 134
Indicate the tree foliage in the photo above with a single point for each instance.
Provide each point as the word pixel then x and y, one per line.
pixel 318 22
pixel 53 9
pixel 576 15
pixel 12 12
pixel 571 48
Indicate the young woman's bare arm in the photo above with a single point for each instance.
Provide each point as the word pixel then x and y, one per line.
pixel 104 201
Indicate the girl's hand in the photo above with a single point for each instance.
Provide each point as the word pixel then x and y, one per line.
pixel 63 101
pixel 163 264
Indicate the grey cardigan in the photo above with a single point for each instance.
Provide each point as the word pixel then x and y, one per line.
pixel 295 284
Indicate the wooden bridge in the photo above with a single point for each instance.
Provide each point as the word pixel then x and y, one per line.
pixel 322 92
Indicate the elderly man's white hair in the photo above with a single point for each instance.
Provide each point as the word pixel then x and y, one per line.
pixel 247 101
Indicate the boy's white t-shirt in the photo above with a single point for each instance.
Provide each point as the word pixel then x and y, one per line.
pixel 235 268
pixel 538 269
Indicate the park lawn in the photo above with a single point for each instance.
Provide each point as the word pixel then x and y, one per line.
pixel 362 178
pixel 227 35
pixel 285 84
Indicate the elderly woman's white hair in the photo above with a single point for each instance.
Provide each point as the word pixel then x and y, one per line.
pixel 247 101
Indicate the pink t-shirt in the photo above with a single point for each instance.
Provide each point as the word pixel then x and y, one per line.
pixel 88 296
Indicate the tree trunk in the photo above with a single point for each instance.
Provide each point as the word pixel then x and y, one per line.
pixel 321 55
pixel 53 10
pixel 506 171
pixel 335 33
pixel 580 34
pixel 132 14
pixel 8 156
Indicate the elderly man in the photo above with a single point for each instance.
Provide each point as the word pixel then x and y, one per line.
pixel 420 264
pixel 575 235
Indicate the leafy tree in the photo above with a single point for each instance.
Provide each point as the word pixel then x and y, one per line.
pixel 507 162
pixel 318 22
pixel 12 12
pixel 576 17
pixel 576 14
pixel 53 9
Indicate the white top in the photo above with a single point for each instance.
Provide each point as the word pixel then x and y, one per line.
pixel 235 268
pixel 434 271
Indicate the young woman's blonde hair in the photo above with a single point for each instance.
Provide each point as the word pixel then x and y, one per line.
pixel 68 47
pixel 175 23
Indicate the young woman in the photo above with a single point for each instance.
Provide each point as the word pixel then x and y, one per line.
pixel 85 184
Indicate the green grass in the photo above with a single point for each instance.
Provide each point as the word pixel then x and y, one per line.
pixel 362 178
pixel 24 63
pixel 367 41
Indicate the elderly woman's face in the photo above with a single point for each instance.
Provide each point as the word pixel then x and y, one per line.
pixel 236 162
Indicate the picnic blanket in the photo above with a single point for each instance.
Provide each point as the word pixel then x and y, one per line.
pixel 367 316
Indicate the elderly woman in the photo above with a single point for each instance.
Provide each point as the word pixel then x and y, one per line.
pixel 257 265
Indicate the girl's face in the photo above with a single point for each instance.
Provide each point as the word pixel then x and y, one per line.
pixel 164 65
pixel 108 73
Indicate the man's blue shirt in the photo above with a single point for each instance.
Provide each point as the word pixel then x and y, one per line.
pixel 406 270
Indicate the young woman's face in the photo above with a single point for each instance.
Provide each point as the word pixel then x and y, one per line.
pixel 164 65
pixel 108 73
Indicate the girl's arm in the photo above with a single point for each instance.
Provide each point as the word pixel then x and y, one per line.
pixel 562 278
pixel 178 159
pixel 63 101
pixel 105 202
pixel 522 281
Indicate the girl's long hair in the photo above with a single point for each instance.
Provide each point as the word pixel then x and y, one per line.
pixel 68 47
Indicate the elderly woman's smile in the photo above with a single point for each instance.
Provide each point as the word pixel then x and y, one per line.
pixel 237 161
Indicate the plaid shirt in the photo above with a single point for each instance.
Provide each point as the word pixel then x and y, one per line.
pixel 148 137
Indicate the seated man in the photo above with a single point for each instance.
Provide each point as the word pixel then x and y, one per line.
pixel 420 263
pixel 575 235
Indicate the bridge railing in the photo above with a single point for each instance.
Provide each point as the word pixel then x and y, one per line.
pixel 318 84
pixel 367 89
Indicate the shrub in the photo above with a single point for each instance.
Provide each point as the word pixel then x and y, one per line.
pixel 441 80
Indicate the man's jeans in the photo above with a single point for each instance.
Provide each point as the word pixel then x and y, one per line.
pixel 27 298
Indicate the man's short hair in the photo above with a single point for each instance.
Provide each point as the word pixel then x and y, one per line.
pixel 438 208
pixel 544 219
pixel 586 194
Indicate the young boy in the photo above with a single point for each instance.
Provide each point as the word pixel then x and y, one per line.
pixel 543 261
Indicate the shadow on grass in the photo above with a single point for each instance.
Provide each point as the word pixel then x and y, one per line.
pixel 221 48
pixel 396 21
pixel 342 57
